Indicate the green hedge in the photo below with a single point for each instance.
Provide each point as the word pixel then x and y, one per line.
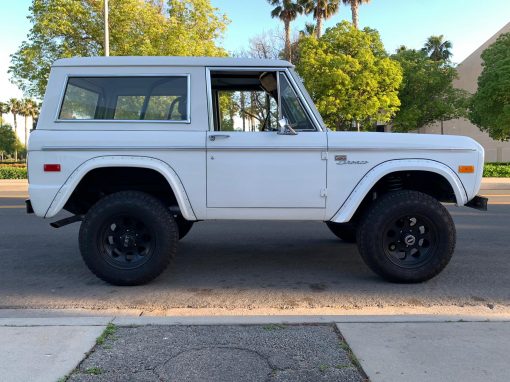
pixel 497 170
pixel 13 172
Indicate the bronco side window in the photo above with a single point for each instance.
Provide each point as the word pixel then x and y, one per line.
pixel 292 108
pixel 147 98
pixel 244 101
pixel 248 101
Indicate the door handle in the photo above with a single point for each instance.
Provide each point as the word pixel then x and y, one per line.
pixel 218 136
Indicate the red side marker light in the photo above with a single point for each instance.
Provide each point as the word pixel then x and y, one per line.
pixel 51 168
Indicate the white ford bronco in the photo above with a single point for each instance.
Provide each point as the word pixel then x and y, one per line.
pixel 140 148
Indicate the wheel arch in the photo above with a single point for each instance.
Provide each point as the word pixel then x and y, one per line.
pixel 157 166
pixel 423 169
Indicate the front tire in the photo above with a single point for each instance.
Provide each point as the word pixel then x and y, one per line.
pixel 128 238
pixel 406 236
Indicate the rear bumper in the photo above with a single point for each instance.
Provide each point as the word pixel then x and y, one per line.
pixel 478 203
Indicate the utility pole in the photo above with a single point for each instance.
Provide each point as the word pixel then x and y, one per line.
pixel 106 30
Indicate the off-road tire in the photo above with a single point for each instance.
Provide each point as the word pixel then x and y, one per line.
pixel 159 229
pixel 373 234
pixel 344 231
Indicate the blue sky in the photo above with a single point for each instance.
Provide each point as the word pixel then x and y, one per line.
pixel 464 22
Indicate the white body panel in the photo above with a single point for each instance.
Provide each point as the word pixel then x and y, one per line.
pixel 258 175
pixel 264 169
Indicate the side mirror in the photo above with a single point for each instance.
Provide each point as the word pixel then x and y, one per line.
pixel 284 128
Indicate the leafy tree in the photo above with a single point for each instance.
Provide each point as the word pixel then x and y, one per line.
pixel 354 4
pixel 7 139
pixel 490 106
pixel 349 76
pixel 228 110
pixel 427 94
pixel 287 11
pixel 67 28
pixel 4 109
pixel 437 48
pixel 321 10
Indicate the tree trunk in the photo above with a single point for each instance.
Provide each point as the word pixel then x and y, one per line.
pixel 16 134
pixel 106 30
pixel 354 11
pixel 26 131
pixel 1 119
pixel 287 41
pixel 442 128
pixel 243 114
pixel 318 27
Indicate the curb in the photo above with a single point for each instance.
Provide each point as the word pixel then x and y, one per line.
pixel 243 320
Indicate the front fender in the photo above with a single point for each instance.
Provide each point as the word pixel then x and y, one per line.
pixel 353 201
pixel 64 193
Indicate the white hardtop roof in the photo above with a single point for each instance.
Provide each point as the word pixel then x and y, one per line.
pixel 170 61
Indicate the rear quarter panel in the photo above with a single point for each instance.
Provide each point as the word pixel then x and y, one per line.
pixel 73 143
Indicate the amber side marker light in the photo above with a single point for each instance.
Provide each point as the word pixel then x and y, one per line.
pixel 466 169
pixel 51 168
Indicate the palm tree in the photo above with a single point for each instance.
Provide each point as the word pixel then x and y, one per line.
pixel 33 111
pixel 287 11
pixel 437 48
pixel 322 10
pixel 309 30
pixel 354 4
pixel 24 113
pixel 4 109
pixel 401 48
pixel 29 108
pixel 15 106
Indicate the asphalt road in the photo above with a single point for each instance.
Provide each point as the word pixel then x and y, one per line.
pixel 228 267
pixel 271 353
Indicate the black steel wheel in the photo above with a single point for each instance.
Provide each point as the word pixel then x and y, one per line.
pixel 125 241
pixel 406 236
pixel 128 238
pixel 410 240
pixel 344 231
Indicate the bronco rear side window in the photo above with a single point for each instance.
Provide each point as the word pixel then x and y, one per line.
pixel 147 98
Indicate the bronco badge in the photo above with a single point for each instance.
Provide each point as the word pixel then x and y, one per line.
pixel 342 159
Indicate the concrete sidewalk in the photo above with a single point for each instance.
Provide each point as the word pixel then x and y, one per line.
pixel 389 348
pixel 40 353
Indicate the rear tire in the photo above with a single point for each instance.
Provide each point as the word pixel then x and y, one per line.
pixel 344 231
pixel 128 238
pixel 406 237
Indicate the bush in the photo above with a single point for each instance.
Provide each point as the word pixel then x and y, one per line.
pixel 13 172
pixel 497 170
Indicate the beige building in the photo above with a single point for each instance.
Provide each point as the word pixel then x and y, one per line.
pixel 469 70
